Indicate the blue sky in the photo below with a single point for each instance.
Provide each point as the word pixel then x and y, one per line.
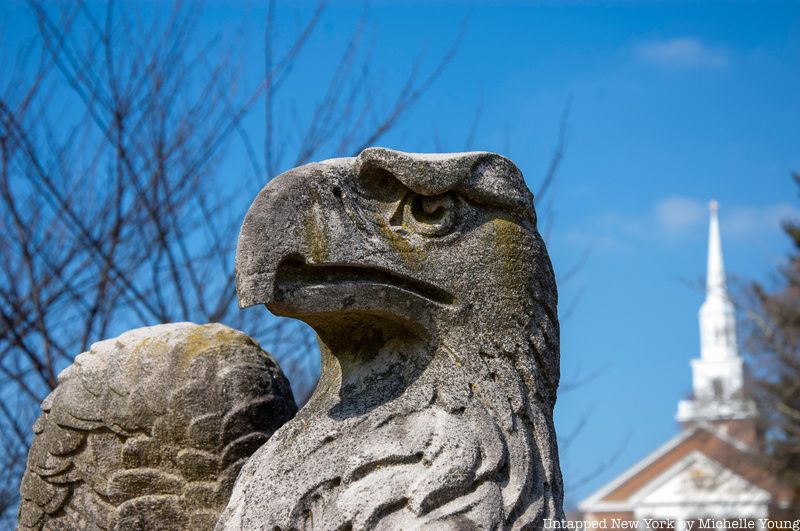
pixel 671 104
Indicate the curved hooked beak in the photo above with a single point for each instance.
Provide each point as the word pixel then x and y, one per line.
pixel 300 254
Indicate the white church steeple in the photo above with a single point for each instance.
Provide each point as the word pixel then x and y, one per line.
pixel 717 316
pixel 715 279
pixel 719 375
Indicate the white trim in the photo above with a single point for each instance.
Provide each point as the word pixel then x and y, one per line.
pixel 676 468
pixel 605 507
pixel 589 503
pixel 594 501
pixel 696 456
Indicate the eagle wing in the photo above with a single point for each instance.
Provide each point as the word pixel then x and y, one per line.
pixel 149 430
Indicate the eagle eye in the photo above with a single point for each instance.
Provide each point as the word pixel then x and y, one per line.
pixel 433 215
pixel 403 209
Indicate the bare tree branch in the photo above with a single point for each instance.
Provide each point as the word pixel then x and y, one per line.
pixel 113 126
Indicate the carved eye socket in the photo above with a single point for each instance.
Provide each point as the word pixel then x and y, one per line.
pixel 430 216
pixel 433 215
pixel 380 185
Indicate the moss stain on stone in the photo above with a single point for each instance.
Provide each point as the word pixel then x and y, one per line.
pixel 412 255
pixel 506 242
pixel 201 340
pixel 314 235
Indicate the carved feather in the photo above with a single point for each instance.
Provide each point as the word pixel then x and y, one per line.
pixel 149 430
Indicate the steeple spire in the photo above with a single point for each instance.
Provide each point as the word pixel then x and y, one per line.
pixel 717 316
pixel 715 278
pixel 718 376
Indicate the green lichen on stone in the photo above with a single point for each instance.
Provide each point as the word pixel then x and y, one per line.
pixel 412 255
pixel 314 233
pixel 506 241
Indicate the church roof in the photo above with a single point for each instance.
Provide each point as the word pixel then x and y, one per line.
pixel 702 443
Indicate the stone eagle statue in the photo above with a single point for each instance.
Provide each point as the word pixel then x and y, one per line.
pixel 434 302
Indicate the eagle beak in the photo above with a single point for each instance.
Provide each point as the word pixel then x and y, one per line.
pixel 280 223
pixel 304 254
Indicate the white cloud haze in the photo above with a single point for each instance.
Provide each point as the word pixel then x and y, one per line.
pixel 678 218
pixel 675 215
pixel 683 52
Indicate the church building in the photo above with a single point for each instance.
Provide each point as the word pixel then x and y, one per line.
pixel 709 472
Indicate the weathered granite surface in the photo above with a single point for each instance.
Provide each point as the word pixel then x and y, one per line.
pixel 435 305
pixel 149 430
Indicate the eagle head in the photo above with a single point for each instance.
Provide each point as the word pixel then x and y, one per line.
pixel 434 302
